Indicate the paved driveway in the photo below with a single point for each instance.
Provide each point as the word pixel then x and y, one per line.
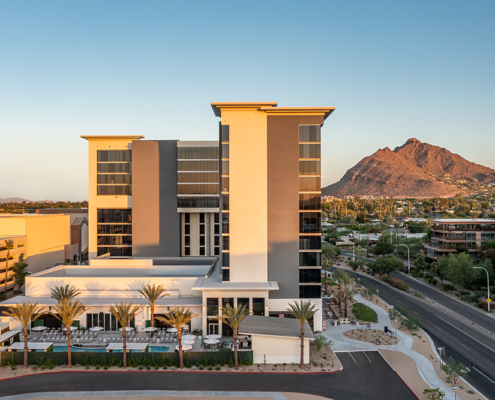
pixel 363 377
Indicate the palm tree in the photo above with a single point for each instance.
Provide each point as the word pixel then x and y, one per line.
pixel 233 318
pixel 124 313
pixel 346 283
pixel 178 317
pixel 326 263
pixel 368 228
pixel 153 293
pixel 64 293
pixel 302 311
pixel 9 245
pixel 68 312
pixel 338 276
pixel 25 314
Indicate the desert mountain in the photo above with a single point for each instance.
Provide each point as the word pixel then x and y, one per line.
pixel 414 169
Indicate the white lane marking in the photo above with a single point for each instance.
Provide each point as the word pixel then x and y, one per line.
pixel 398 301
pixel 484 375
pixel 488 347
pixel 415 312
pixel 437 328
pixel 366 356
pixel 465 347
pixel 353 358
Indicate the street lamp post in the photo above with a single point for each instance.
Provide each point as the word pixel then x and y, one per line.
pixel 455 388
pixel 440 349
pixel 488 283
pixel 408 258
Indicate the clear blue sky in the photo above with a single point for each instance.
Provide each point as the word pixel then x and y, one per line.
pixel 394 70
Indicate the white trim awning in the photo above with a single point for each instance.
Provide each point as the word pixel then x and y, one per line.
pixel 129 346
pixel 31 346
pixel 7 335
pixel 109 301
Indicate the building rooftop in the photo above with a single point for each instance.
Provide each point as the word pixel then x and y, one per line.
pixel 87 137
pixel 326 111
pixel 6 237
pixel 217 106
pixel 272 326
pixel 167 301
pixel 447 221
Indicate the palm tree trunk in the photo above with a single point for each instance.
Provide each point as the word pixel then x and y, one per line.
pixel 367 243
pixel 25 346
pixel 124 345
pixel 326 291
pixel 6 269
pixel 340 295
pixel 179 336
pixel 235 350
pixel 345 303
pixel 302 346
pixel 152 315
pixel 69 353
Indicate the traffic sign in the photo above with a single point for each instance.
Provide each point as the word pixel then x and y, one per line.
pixel 489 300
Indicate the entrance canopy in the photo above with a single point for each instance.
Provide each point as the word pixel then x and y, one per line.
pixel 130 346
pixel 7 335
pixel 38 346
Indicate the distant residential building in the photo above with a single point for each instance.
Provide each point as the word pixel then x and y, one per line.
pixel 19 247
pixel 459 235
pixel 47 235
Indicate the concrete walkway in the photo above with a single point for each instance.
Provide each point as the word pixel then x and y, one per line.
pixel 344 344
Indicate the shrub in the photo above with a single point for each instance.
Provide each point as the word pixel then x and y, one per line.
pixel 434 281
pixel 417 293
pixel 481 304
pixel 448 287
pixel 322 341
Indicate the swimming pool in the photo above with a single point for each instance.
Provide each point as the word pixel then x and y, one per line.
pixel 158 349
pixel 64 349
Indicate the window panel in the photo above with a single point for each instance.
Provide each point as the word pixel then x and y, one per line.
pixel 225 259
pixel 309 222
pixel 225 168
pixel 114 240
pixel 114 190
pixel 309 184
pixel 198 177
pixel 309 151
pixel 225 202
pixel 197 165
pixel 309 202
pixel 115 215
pixel 114 168
pixel 115 251
pixel 309 243
pixel 224 135
pixel 309 275
pixel 225 223
pixel 197 202
pixel 199 153
pixel 259 306
pixel 310 259
pixel 198 189
pixel 225 275
pixel 309 167
pixel 114 179
pixel 309 133
pixel 114 155
pixel 309 291
pixel 225 184
pixel 225 243
pixel 115 229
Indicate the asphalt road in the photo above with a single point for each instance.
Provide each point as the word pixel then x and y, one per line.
pixel 363 377
pixel 460 339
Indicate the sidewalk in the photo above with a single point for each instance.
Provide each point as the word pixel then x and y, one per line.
pixel 344 344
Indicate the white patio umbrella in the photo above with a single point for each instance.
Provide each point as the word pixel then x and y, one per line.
pixel 127 328
pixel 96 328
pixel 188 341
pixel 212 336
pixel 172 330
pixel 150 329
pixel 212 341
pixel 72 328
pixel 189 337
pixel 39 328
pixel 184 347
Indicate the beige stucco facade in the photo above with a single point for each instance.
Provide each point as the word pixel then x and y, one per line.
pixel 278 349
pixel 48 235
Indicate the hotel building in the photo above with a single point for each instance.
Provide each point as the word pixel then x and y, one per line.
pixel 235 221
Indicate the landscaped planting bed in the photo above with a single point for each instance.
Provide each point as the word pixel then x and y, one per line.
pixel 364 313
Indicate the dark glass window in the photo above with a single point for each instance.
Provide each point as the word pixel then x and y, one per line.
pixel 225 168
pixel 225 150
pixel 201 229
pixel 309 133
pixel 225 202
pixel 201 218
pixel 309 167
pixel 187 229
pixel 309 151
pixel 187 240
pixel 216 218
pixel 217 241
pixel 187 218
pixel 225 274
pixel 199 188
pixel 115 251
pixel 243 302
pixel 197 177
pixel 106 190
pixel 309 222
pixel 114 167
pixel 225 242
pixel 115 215
pixel 225 130
pixel 309 275
pixel 229 301
pixel 192 165
pixel 259 306
pixel 187 251
pixel 216 229
pixel 115 229
pixel 201 240
pixel 212 306
pixel 309 291
pixel 310 259
pixel 197 202
pixel 217 251
pixel 309 243
pixel 225 259
pixel 225 223
pixel 114 155
pixel 114 240
pixel 198 153
pixel 225 184
pixel 309 201
pixel 201 251
pixel 307 184
pixel 114 179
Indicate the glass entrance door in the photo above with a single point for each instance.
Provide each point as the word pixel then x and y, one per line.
pixel 213 328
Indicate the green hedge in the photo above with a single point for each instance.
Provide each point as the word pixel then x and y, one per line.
pixel 161 359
